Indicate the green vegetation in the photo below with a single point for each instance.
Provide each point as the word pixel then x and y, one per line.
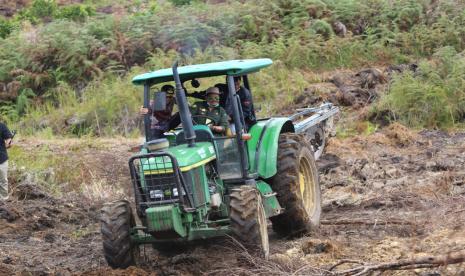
pixel 435 96
pixel 46 168
pixel 61 167
pixel 321 27
pixel 6 27
pixel 180 2
pixel 66 69
pixel 47 10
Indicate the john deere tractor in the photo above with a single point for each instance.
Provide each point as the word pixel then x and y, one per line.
pixel 194 185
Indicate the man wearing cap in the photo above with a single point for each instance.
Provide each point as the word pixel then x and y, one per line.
pixel 211 108
pixel 160 119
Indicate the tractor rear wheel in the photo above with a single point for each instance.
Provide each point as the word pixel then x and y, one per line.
pixel 248 219
pixel 297 187
pixel 116 223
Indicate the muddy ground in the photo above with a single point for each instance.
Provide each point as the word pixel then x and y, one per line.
pixel 388 195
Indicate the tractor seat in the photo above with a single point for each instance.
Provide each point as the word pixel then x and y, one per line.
pixel 202 135
pixel 157 144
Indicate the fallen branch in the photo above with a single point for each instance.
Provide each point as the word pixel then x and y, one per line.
pixel 420 262
pixel 346 261
pixel 458 211
pixel 365 222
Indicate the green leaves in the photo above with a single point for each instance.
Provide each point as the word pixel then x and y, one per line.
pixel 6 27
pixel 43 9
pixel 321 27
pixel 76 12
pixel 435 96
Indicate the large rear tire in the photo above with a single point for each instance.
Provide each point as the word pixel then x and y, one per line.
pixel 248 219
pixel 116 223
pixel 297 187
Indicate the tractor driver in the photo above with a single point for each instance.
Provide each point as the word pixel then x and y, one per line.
pixel 245 100
pixel 212 110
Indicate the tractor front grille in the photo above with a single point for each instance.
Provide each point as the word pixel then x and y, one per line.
pixel 157 180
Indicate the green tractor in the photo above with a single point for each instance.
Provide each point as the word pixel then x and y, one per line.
pixel 195 185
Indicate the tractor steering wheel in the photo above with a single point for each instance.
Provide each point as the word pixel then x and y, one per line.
pixel 211 123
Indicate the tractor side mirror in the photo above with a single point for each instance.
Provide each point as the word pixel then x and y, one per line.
pixel 160 101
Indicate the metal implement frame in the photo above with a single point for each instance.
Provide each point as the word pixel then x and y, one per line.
pixel 321 113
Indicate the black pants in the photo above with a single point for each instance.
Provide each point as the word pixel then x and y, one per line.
pixel 174 121
pixel 156 133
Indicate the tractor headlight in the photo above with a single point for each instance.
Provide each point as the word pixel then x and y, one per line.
pixel 176 193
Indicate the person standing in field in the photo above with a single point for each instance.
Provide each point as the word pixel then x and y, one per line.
pixel 5 143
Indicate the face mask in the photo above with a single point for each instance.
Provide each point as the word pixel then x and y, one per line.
pixel 213 100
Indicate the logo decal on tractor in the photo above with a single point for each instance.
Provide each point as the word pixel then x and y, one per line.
pixel 202 153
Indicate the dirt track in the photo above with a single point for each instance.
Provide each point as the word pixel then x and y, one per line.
pixel 390 195
pixel 387 196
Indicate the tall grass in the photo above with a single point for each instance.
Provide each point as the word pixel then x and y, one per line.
pixel 105 108
pixel 433 97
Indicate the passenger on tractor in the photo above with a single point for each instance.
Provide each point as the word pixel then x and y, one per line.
pixel 246 103
pixel 160 120
pixel 210 112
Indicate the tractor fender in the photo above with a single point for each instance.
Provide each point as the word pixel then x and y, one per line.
pixel 263 146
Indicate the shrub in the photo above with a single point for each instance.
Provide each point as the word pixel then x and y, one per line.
pixel 316 8
pixel 434 97
pixel 322 28
pixel 6 27
pixel 180 2
pixel 76 12
pixel 44 10
pixel 409 16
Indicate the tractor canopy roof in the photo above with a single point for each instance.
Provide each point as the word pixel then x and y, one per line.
pixel 230 67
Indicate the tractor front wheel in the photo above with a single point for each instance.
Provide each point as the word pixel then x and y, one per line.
pixel 116 223
pixel 297 187
pixel 248 219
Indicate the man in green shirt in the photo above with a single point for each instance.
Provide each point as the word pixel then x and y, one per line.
pixel 215 116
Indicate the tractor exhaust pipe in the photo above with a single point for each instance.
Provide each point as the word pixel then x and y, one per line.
pixel 184 112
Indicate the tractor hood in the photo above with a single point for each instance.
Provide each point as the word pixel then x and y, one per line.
pixel 187 158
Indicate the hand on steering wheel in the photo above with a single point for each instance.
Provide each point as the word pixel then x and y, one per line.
pixel 211 123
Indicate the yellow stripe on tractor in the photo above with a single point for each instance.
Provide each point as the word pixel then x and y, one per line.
pixel 183 169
